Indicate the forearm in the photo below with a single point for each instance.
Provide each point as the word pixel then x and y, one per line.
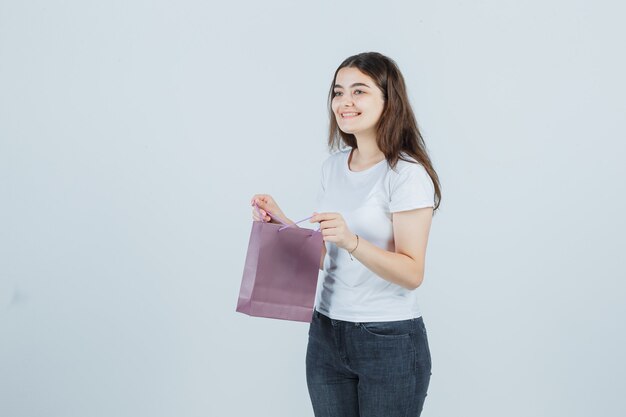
pixel 394 267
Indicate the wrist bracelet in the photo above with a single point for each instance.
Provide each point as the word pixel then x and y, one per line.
pixel 357 245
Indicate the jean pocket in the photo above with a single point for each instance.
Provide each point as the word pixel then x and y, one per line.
pixel 314 321
pixel 389 329
pixel 422 348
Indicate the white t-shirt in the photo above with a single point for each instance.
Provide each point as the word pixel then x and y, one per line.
pixel 347 290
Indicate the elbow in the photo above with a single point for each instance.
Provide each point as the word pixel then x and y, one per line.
pixel 415 279
pixel 414 283
pixel 414 274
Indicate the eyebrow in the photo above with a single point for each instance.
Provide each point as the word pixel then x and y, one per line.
pixel 353 85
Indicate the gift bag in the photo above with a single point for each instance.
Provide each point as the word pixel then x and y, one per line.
pixel 280 273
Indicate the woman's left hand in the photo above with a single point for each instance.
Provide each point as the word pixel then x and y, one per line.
pixel 335 230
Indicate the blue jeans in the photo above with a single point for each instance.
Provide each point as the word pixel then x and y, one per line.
pixel 372 369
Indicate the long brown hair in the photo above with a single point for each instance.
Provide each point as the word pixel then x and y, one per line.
pixel 397 129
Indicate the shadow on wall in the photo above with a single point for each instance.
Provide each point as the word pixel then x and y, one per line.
pixel 10 297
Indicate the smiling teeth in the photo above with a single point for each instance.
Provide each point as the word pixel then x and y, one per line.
pixel 349 114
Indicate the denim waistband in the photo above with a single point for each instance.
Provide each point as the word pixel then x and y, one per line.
pixel 336 322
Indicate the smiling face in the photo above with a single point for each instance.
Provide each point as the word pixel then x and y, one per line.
pixel 357 102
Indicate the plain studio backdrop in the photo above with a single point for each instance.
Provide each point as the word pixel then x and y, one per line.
pixel 134 133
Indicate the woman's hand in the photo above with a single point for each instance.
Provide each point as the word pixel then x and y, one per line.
pixel 335 230
pixel 266 203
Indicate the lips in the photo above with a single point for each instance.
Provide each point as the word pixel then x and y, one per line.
pixel 349 115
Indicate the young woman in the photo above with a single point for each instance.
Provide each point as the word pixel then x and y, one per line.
pixel 368 353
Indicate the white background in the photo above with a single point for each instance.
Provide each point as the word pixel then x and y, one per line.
pixel 133 134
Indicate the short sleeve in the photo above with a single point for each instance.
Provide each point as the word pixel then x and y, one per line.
pixel 411 188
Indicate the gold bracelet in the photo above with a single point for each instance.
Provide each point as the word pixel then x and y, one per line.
pixel 357 245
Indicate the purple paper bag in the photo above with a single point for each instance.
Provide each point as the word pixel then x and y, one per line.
pixel 280 274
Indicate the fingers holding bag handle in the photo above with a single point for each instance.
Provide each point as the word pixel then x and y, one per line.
pixel 259 212
pixel 267 207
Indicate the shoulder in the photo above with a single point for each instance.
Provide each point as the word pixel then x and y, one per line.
pixel 410 174
pixel 336 158
pixel 339 155
pixel 408 167
pixel 410 186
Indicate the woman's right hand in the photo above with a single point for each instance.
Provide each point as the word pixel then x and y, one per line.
pixel 266 203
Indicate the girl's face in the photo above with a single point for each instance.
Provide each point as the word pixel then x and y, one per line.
pixel 357 102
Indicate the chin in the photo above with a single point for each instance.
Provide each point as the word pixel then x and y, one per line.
pixel 349 128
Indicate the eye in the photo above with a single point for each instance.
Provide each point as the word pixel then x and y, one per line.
pixel 336 93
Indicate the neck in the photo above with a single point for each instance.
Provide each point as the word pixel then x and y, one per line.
pixel 367 149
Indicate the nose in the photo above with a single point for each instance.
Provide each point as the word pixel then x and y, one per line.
pixel 346 101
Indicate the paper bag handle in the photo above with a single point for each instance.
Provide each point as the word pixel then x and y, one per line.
pixel 285 225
